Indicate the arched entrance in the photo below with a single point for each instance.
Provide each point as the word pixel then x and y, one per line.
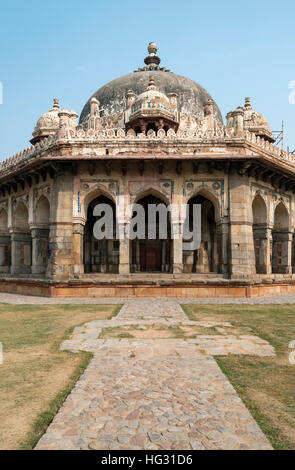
pixel 152 255
pixel 21 242
pixel 4 243
pixel 205 259
pixel 100 256
pixel 260 235
pixel 40 236
pixel 281 249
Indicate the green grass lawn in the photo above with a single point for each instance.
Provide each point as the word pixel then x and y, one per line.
pixel 266 385
pixel 36 377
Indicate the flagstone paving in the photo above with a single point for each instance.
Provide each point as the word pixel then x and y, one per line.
pixel 155 393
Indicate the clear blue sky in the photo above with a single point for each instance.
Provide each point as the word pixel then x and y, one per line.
pixel 68 49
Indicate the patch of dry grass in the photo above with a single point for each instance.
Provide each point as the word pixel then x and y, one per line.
pixel 266 385
pixel 35 372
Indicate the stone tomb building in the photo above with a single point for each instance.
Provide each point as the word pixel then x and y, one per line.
pixel 153 137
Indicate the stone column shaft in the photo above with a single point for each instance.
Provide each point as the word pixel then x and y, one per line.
pixel 21 248
pixel 60 264
pixel 124 251
pixel 222 246
pixel 39 250
pixel 177 249
pixel 262 236
pixel 285 265
pixel 242 255
pixel 78 237
pixel 5 253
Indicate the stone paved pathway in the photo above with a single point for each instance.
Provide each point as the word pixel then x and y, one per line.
pixel 155 393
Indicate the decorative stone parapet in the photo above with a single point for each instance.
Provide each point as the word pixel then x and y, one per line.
pixel 109 136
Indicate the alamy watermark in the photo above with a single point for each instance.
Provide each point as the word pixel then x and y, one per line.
pixel 1 354
pixel 150 223
pixel 292 93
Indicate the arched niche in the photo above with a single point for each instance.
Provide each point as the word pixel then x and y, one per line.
pixel 152 253
pixel 281 244
pixel 21 218
pixel 5 245
pixel 206 258
pixel 42 213
pixel 260 234
pixel 100 256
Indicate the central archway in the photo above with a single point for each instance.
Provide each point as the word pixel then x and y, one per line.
pixel 152 255
pixel 100 256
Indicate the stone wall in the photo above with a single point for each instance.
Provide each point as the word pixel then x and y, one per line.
pixel 42 224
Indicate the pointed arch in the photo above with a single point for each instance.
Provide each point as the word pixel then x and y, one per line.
pixel 281 245
pixel 151 192
pixel 42 212
pixel 281 217
pixel 94 194
pixel 3 221
pixel 5 244
pixel 204 259
pixel 21 218
pixel 207 194
pixel 152 253
pixel 259 210
pixel 99 255
pixel 260 218
pixel 21 241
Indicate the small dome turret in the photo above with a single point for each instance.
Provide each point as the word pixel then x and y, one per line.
pixel 256 122
pixel 153 109
pixel 47 124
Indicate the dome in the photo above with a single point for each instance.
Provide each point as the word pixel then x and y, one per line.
pixel 112 96
pixel 47 124
pixel 256 122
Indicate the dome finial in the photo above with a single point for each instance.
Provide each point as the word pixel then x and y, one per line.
pixel 152 48
pixel 152 58
pixel 248 103
pixel 55 103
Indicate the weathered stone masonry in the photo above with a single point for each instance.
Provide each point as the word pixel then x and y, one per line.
pixel 162 142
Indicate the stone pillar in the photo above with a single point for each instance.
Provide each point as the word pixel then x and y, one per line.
pixel 39 250
pixel 287 252
pixel 124 251
pixel 222 245
pixel 282 252
pixel 177 248
pixel 21 253
pixel 4 254
pixel 78 239
pixel 262 238
pixel 60 263
pixel 104 256
pixel 242 256
pixel 268 249
pixel 164 243
pixel 137 255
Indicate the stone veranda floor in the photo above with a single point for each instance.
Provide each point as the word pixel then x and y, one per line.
pixel 18 299
pixel 155 393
